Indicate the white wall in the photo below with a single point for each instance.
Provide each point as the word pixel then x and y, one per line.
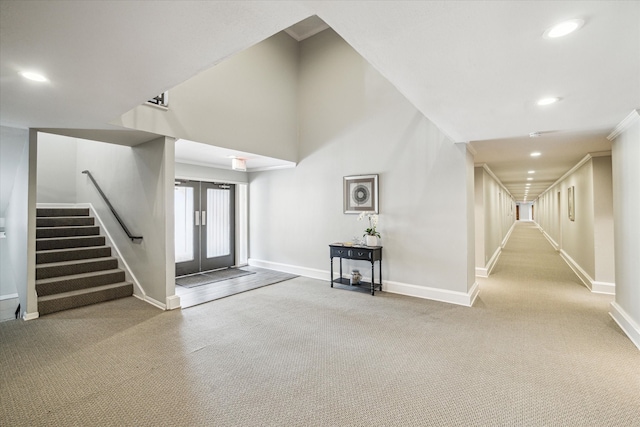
pixel 494 218
pixel 353 121
pixel 14 148
pixel 139 184
pixel 56 184
pixel 626 205
pixel 587 243
pixel 247 102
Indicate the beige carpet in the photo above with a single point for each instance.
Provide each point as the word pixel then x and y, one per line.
pixel 537 349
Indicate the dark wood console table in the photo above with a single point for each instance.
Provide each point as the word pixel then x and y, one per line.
pixel 362 253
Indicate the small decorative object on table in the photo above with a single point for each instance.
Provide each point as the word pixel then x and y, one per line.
pixel 370 234
pixel 355 277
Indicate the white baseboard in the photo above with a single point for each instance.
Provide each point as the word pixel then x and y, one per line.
pixel 30 316
pixel 486 270
pixel 592 285
pixel 603 288
pixel 459 298
pixel 312 273
pixel 555 245
pixel 152 301
pixel 626 323
pixel 506 236
pixel 173 302
pixel 452 297
pixel 582 275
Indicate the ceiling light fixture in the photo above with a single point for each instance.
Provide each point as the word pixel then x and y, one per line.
pixel 548 101
pixel 531 172
pixel 33 76
pixel 529 179
pixel 536 154
pixel 563 28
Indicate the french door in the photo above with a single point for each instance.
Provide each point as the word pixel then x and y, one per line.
pixel 204 226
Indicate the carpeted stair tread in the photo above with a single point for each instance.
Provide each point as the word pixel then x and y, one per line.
pixel 72 282
pixel 72 231
pixel 82 297
pixel 66 268
pixel 69 242
pixel 55 212
pixel 64 221
pixel 69 254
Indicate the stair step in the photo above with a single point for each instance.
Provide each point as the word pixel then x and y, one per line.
pixel 68 268
pixel 64 221
pixel 69 242
pixel 70 254
pixel 74 282
pixel 47 232
pixel 79 298
pixel 50 212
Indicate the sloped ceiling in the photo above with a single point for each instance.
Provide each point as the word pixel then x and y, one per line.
pixel 473 68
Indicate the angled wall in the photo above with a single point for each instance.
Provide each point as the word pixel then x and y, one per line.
pixel 247 102
pixel 353 121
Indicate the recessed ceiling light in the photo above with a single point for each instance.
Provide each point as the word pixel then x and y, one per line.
pixel 33 76
pixel 548 101
pixel 531 172
pixel 563 28
pixel 529 179
pixel 536 154
pixel 528 184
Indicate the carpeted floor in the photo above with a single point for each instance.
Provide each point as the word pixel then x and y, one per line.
pixel 537 349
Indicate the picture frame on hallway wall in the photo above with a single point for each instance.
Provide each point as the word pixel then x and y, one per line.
pixel 571 203
pixel 360 194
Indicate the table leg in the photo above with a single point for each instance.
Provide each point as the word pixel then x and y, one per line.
pixel 380 268
pixel 332 272
pixel 340 279
pixel 373 280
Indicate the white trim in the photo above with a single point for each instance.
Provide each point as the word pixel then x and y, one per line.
pixel 626 323
pixel 151 301
pixel 492 175
pixel 582 275
pixel 486 270
pixel 453 297
pixel 312 273
pixel 548 237
pixel 624 124
pixel 584 160
pixel 606 288
pixel 8 296
pixel 173 302
pixel 30 316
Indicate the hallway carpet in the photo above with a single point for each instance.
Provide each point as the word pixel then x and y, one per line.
pixel 537 349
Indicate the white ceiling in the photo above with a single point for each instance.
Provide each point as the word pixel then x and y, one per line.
pixel 475 68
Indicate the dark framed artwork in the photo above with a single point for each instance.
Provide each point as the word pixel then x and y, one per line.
pixel 360 193
pixel 571 205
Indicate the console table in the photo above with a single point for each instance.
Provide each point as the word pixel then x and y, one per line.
pixel 361 253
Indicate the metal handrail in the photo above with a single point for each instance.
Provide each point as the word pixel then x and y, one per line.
pixel 113 211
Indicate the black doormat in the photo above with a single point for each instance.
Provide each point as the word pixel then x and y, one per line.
pixel 211 277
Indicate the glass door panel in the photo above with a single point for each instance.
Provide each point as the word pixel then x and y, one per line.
pixel 187 233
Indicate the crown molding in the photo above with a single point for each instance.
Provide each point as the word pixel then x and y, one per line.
pixel 624 124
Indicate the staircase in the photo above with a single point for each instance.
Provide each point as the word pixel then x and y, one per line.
pixel 74 267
